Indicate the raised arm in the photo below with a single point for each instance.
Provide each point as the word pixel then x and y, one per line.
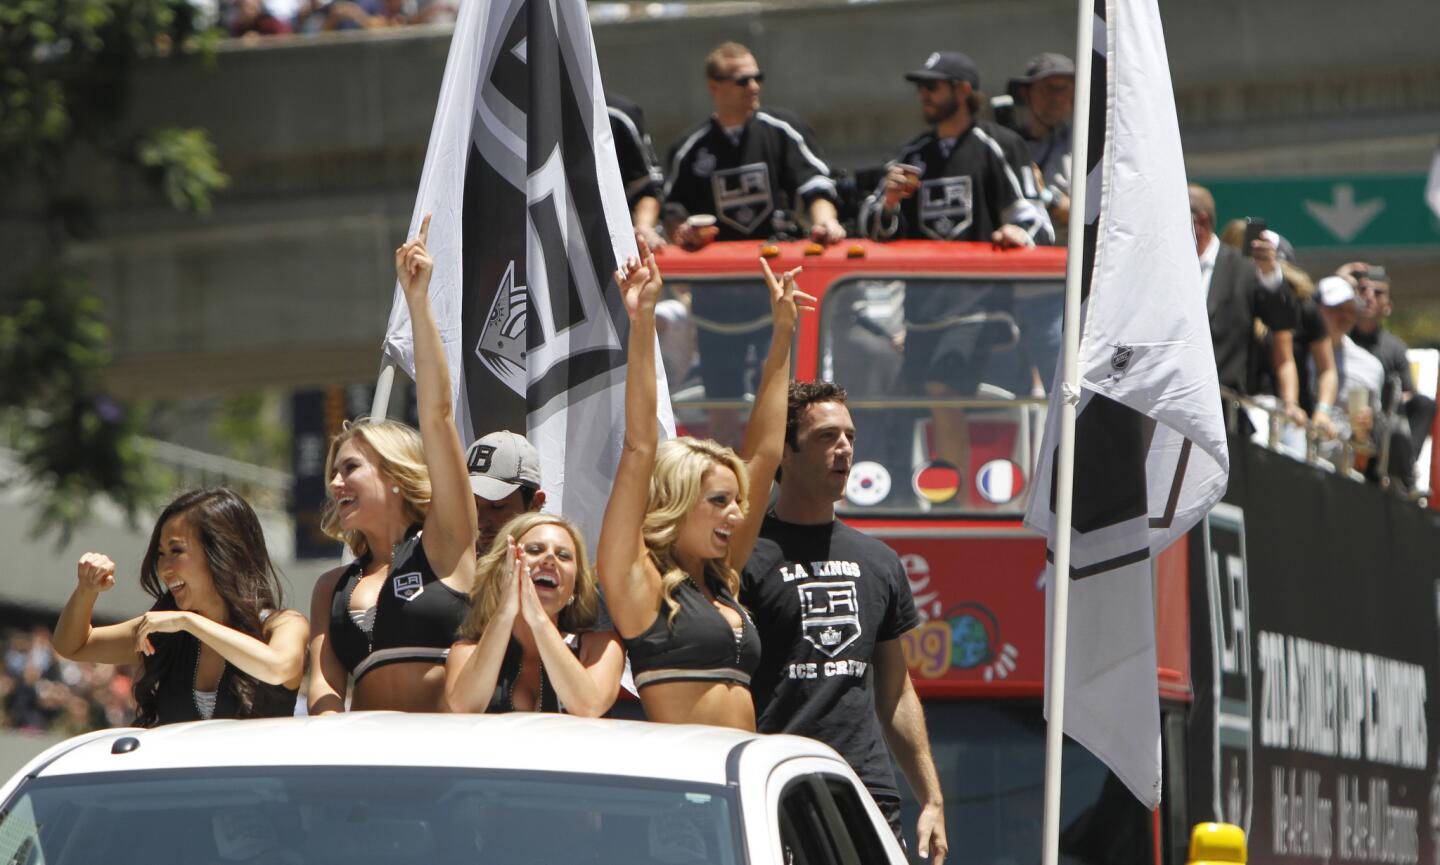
pixel 764 440
pixel 328 677
pixel 449 538
pixel 277 658
pixel 633 593
pixel 75 638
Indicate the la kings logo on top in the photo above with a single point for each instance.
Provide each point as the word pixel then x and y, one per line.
pixel 408 586
pixel 742 196
pixel 946 206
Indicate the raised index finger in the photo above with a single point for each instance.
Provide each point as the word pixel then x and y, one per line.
pixel 769 274
pixel 425 229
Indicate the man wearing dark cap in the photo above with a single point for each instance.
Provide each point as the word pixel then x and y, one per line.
pixel 964 179
pixel 505 478
pixel 972 182
pixel 1047 90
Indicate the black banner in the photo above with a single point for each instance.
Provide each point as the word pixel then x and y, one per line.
pixel 1314 654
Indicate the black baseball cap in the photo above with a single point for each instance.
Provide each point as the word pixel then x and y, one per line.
pixel 1046 65
pixel 947 66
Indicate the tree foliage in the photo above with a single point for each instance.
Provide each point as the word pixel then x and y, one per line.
pixel 66 68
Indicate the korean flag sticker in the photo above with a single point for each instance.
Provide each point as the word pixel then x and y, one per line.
pixel 869 484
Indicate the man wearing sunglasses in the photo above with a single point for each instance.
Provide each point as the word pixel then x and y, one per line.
pixel 746 166
pixel 743 174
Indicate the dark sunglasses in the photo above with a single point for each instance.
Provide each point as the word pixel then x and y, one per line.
pixel 744 80
pixel 930 86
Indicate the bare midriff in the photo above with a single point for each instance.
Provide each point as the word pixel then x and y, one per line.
pixel 405 686
pixel 722 704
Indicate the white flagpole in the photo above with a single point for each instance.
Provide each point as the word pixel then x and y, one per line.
pixel 1065 464
pixel 380 405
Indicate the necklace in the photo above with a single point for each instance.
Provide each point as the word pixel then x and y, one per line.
pixel 195 686
pixel 520 671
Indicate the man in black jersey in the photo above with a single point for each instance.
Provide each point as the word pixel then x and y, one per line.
pixel 639 170
pixel 964 179
pixel 744 173
pixel 831 604
pixel 746 166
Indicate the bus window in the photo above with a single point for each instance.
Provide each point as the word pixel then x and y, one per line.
pixel 946 388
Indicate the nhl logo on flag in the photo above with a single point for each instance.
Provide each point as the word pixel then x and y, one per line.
pixel 1121 358
pixel 868 485
pixel 408 586
pixel 999 481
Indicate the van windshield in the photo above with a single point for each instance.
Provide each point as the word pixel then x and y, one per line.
pixel 364 815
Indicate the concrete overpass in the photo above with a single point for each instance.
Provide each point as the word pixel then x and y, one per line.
pixel 288 282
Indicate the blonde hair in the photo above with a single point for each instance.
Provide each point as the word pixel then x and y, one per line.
pixel 722 55
pixel 675 490
pixel 490 575
pixel 400 457
pixel 1234 233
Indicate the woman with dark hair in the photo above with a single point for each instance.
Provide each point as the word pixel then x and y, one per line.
pixel 682 518
pixel 401 500
pixel 217 643
pixel 528 644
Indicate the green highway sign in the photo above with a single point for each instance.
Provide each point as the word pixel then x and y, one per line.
pixel 1363 210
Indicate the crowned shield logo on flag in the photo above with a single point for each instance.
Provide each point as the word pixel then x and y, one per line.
pixel 530 220
pixel 502 339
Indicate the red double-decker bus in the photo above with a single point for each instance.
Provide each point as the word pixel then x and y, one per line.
pixel 944 480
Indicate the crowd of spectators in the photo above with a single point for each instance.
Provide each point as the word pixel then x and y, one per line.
pixel 256 18
pixel 40 692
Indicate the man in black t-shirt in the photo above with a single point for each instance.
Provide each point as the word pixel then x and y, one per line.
pixel 831 604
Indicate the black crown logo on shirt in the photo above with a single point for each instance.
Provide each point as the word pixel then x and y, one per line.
pixel 829 637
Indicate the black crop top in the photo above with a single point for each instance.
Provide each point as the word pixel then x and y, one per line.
pixel 175 701
pixel 504 697
pixel 417 616
pixel 699 646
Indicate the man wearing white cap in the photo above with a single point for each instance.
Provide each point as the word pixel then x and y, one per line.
pixel 1362 377
pixel 505 478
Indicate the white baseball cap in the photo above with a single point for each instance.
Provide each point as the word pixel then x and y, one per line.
pixel 501 463
pixel 1335 290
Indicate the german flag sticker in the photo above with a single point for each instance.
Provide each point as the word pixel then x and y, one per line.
pixel 937 482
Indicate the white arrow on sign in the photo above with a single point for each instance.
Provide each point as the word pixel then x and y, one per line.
pixel 1344 217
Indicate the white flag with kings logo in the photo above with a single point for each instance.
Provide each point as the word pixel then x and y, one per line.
pixel 530 219
pixel 1150 450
